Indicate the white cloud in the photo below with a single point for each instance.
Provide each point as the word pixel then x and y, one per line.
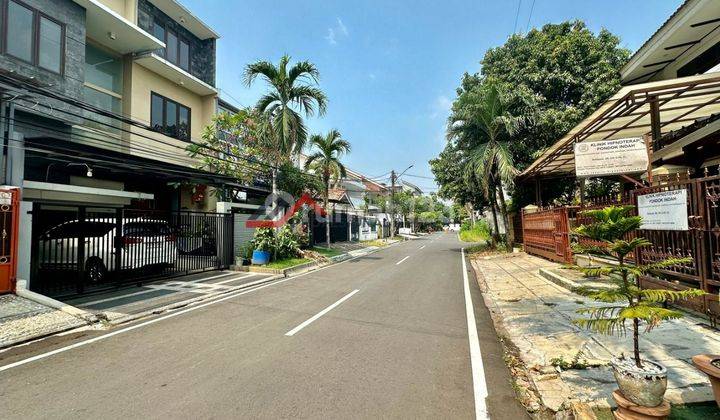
pixel 441 107
pixel 339 30
pixel 341 26
pixel 331 36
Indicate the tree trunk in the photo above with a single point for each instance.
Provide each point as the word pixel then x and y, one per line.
pixel 274 192
pixel 327 211
pixel 493 208
pixel 503 208
pixel 636 342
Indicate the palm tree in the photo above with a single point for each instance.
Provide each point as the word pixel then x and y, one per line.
pixel 482 118
pixel 293 91
pixel 326 162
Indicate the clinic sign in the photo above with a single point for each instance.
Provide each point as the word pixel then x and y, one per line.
pixel 611 157
pixel 665 210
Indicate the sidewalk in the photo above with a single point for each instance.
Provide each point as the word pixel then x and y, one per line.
pixel 22 320
pixel 534 316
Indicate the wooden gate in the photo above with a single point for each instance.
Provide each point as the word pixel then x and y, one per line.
pixel 9 212
pixel 546 233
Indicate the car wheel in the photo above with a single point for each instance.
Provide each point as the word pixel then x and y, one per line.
pixel 95 270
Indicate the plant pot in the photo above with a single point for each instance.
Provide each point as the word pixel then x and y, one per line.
pixel 704 363
pixel 260 257
pixel 643 386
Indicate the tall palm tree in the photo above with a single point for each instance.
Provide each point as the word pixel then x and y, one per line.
pixel 483 120
pixel 325 161
pixel 292 91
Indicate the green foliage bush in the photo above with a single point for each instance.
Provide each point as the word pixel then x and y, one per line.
pixel 478 233
pixel 281 244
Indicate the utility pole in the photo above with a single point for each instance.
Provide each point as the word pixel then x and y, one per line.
pixel 393 178
pixel 392 203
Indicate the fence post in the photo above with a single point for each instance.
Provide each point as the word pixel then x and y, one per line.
pixel 81 253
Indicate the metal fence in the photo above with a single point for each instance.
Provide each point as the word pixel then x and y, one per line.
pixel 545 232
pixel 78 249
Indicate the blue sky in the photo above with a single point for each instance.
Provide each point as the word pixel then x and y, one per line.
pixel 390 68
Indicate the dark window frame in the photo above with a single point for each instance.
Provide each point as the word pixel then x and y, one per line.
pixel 35 43
pixel 178 106
pixel 180 39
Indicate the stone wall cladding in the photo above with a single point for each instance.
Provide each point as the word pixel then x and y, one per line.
pixel 70 83
pixel 202 52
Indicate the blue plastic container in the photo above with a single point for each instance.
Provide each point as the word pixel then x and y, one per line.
pixel 260 257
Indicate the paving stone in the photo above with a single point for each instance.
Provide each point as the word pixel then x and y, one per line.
pixel 537 316
pixel 22 319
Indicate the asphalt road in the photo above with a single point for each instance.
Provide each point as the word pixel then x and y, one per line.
pixel 381 336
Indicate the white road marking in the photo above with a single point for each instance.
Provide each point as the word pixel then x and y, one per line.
pixel 478 371
pixel 319 314
pixel 237 278
pixel 162 318
pixel 423 246
pixel 175 286
pixel 401 261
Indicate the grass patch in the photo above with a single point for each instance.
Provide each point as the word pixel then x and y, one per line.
pixel 478 233
pixel 695 411
pixel 287 263
pixel 326 252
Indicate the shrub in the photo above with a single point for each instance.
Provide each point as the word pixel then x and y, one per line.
pixel 264 239
pixel 283 244
pixel 286 244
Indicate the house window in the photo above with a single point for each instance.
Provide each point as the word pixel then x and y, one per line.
pixel 34 37
pixel 103 85
pixel 177 50
pixel 169 117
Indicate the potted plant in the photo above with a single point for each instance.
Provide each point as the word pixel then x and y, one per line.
pixel 709 364
pixel 627 306
pixel 263 245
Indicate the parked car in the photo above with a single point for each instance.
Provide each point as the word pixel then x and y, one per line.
pixel 143 243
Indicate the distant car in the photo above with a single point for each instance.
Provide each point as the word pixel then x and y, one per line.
pixel 143 243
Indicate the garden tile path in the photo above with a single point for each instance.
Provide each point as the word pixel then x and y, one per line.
pixel 535 315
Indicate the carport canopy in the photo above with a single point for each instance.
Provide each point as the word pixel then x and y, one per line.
pixel 653 109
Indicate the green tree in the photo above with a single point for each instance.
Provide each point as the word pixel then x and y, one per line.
pixel 556 76
pixel 292 91
pixel 325 161
pixel 481 121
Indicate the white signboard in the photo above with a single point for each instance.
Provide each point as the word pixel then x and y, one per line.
pixel 665 210
pixel 611 157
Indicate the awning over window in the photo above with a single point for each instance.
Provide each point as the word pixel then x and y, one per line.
pixel 680 103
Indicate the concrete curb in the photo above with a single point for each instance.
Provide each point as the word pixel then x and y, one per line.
pixel 563 282
pixel 22 291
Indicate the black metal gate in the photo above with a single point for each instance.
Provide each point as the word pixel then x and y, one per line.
pixel 339 225
pixel 79 249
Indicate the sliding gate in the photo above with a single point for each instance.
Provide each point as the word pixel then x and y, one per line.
pixel 79 249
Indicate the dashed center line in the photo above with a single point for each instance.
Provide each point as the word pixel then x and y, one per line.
pixel 423 246
pixel 401 261
pixel 319 314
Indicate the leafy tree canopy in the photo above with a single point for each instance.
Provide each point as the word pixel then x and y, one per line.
pixel 552 77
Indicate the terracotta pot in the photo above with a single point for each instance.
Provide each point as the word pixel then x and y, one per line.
pixel 704 363
pixel 643 386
